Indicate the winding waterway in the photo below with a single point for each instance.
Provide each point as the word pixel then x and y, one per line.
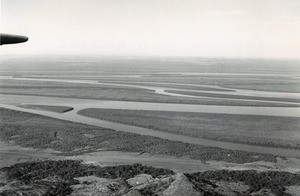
pixel 163 90
pixel 12 102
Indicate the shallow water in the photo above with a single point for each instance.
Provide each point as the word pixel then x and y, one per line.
pixel 163 90
pixel 78 104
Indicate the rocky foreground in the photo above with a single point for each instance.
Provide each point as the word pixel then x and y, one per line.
pixel 70 177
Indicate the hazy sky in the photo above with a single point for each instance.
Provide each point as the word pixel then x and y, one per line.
pixel 230 28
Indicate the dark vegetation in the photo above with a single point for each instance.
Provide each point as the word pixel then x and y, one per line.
pixel 64 172
pixel 43 132
pixel 274 180
pixel 57 177
pixel 67 170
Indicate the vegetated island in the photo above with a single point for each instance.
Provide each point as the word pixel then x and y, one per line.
pixel 237 97
pixel 247 129
pixel 51 108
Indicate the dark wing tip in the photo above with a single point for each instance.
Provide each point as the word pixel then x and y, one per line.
pixel 12 39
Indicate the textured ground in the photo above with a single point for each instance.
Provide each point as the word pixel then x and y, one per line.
pixel 29 130
pixel 249 129
pixel 72 177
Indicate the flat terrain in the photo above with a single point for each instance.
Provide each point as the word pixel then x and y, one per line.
pixel 58 157
pixel 29 130
pixel 118 93
pixel 237 97
pixel 249 129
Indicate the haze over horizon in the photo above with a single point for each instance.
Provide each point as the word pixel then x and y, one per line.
pixel 207 28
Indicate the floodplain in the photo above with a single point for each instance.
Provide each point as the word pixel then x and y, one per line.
pixel 249 129
pixel 46 106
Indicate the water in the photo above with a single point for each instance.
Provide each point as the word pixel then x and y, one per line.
pixel 79 104
pixel 195 71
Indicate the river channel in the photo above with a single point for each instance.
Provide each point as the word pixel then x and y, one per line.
pixel 14 101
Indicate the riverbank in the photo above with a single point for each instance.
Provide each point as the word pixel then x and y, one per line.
pixel 248 129
pixel 70 176
pixel 30 130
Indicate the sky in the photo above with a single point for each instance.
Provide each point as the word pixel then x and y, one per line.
pixel 201 28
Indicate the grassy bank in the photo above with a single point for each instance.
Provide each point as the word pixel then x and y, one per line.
pixel 30 130
pixel 248 129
